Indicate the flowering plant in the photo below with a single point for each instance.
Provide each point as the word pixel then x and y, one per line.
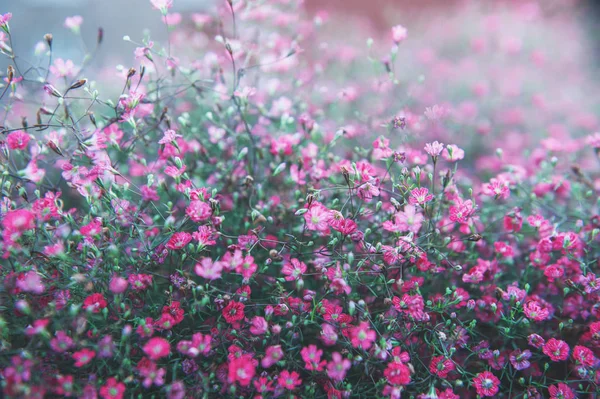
pixel 238 221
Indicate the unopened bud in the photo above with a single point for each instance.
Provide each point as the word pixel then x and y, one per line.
pixel 92 118
pixel 78 84
pixel 100 36
pixel 10 73
pixel 48 38
pixel 48 88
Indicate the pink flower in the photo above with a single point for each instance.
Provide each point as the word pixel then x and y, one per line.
pixel 561 391
pixel 312 358
pixel 19 220
pixel 241 370
pixel 328 334
pixel 200 344
pixel 583 356
pixel 407 220
pixel 452 153
pixel 247 267
pixel 486 384
pixel 362 336
pixel 157 348
pixel 434 149
pixel 17 140
pixel 317 218
pixel 95 303
pixel 419 196
pixel 534 311
pixel 174 171
pixel 179 240
pixel 198 211
pixel 169 136
pixel 441 366
pixel 293 270
pixel 556 349
pixel 73 22
pixel 4 18
pixel 259 325
pixel 31 282
pixel 205 236
pixel 62 68
pixel 208 269
pixel 436 112
pixel 172 19
pixel 233 312
pixel 118 285
pixel 289 381
pixel 162 5
pixel 61 342
pixel 399 33
pixel 341 224
pixel 337 367
pixel 397 373
pixel 83 357
pixel 39 326
pixel 273 354
pixel 112 389
pixel 497 188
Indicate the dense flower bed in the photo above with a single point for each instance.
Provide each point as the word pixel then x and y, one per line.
pixel 252 211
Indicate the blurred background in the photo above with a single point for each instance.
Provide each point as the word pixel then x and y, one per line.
pixel 34 18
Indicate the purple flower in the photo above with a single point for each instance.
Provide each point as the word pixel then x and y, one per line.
pixel 520 359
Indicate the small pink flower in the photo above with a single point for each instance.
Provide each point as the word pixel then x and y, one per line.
pixel 208 269
pixel 337 367
pixel 17 140
pixel 169 136
pixel 312 358
pixel 73 22
pixel 486 384
pixel 289 381
pixel 453 153
pixel 157 348
pixel 83 357
pixel 556 349
pixel 179 240
pixel 399 33
pixel 118 285
pixel 419 196
pixel 162 5
pixel 4 18
pixel 31 282
pixel 198 211
pixel 259 325
pixel 273 354
pixel 174 171
pixel 434 149
pixel 362 336
pixel 62 68
pixel 293 269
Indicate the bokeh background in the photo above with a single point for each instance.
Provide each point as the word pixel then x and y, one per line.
pixel 34 18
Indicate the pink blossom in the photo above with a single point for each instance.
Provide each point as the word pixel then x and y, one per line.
pixel 208 269
pixel 17 140
pixel 399 33
pixel 73 22
pixel 434 149
pixel 31 282
pixel 419 196
pixel 337 367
